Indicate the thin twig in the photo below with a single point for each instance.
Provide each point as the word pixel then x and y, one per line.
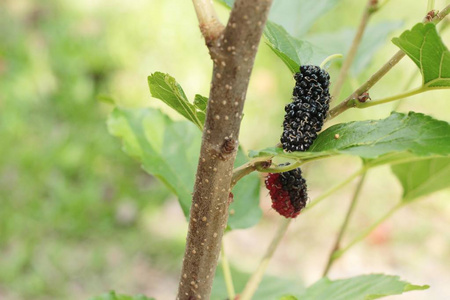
pixel 328 59
pixel 406 87
pixel 255 279
pixel 368 11
pixel 209 23
pixel 351 101
pixel 227 274
pixel 430 5
pixel 257 276
pixel 344 226
pixel 335 188
pixel 367 231
pixel 248 168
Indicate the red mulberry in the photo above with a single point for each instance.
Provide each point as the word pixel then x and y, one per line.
pixel 306 113
pixel 288 192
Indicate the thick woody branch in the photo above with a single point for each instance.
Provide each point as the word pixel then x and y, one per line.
pixel 233 53
pixel 353 100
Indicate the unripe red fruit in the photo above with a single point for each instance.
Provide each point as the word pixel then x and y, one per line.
pixel 288 192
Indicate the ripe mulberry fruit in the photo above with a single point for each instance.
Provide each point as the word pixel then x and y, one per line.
pixel 288 192
pixel 306 113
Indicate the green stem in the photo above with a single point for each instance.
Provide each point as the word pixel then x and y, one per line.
pixel 330 58
pixel 368 10
pixel 350 101
pixel 335 188
pixel 430 5
pixel 280 169
pixel 227 275
pixel 248 168
pixel 366 232
pixel 390 99
pixel 344 226
pixel 255 279
pixel 406 87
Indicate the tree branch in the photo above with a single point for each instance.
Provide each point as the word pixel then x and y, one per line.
pixel 233 53
pixel 344 226
pixel 209 23
pixel 351 101
pixel 368 11
pixel 338 253
pixel 255 279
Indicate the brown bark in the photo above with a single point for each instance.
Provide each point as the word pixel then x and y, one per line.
pixel 233 50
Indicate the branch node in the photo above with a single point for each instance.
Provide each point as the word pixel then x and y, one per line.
pixel 211 31
pixel 430 16
pixel 364 97
pixel 228 147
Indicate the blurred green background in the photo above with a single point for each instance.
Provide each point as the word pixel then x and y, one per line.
pixel 78 217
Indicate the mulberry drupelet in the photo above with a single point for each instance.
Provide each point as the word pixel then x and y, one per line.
pixel 288 192
pixel 306 113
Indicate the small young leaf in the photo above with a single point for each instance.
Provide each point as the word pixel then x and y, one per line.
pixel 164 87
pixel 425 47
pixel 423 177
pixel 113 296
pixel 200 102
pixel 364 287
pixel 414 133
pixel 293 52
pixel 169 150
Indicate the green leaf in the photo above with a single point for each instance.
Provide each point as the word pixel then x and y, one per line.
pixel 169 151
pixel 364 287
pixel 164 87
pixel 415 133
pixel 245 210
pixel 425 47
pixel 423 177
pixel 293 52
pixel 394 158
pixel 113 296
pixel 270 288
pixel 374 38
pixel 297 17
pixel 200 102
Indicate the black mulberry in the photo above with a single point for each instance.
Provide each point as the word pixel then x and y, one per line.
pixel 306 113
pixel 288 192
